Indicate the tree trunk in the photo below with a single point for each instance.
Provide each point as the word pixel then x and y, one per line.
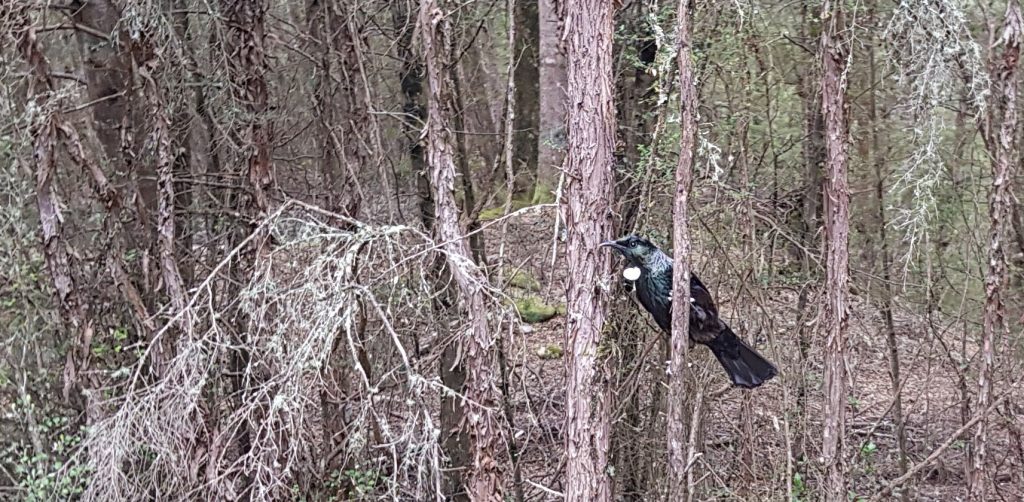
pixel 59 256
pixel 454 437
pixel 244 45
pixel 552 97
pixel 809 89
pixel 638 108
pixel 244 39
pixel 165 166
pixel 588 221
pixel 834 53
pixel 679 444
pixel 339 103
pixel 107 71
pixel 878 159
pixel 527 79
pixel 484 478
pixel 999 128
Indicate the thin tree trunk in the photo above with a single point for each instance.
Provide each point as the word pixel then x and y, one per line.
pixel 246 58
pixel 1001 113
pixel 890 329
pixel 527 90
pixel 484 478
pixel 181 130
pixel 809 89
pixel 107 71
pixel 834 52
pixel 639 110
pixel 165 165
pixel 353 142
pixel 680 444
pixel 319 21
pixel 60 260
pixel 552 97
pixel 508 140
pixel 454 437
pixel 588 221
pixel 748 229
pixel 414 113
pixel 244 39
pixel 469 201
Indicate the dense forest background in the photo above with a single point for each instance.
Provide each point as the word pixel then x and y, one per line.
pixel 346 249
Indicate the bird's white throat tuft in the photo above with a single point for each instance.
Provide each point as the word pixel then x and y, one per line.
pixel 631 273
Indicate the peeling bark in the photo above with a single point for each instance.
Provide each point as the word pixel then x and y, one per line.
pixel 60 261
pixel 166 232
pixel 589 189
pixel 680 444
pixel 483 481
pixel 246 61
pixel 1000 140
pixel 834 54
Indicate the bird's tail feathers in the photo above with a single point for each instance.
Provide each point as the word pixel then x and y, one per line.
pixel 744 365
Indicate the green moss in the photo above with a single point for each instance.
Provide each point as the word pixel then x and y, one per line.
pixel 499 211
pixel 533 310
pixel 549 351
pixel 543 193
pixel 523 280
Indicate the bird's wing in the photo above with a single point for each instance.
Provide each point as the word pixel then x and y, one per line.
pixel 701 296
pixel 654 292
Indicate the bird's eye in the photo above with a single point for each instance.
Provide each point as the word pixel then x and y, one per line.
pixel 632 244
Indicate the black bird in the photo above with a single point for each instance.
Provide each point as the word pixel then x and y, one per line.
pixel 744 365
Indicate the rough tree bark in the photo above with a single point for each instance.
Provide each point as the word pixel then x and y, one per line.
pixel 341 103
pixel 246 61
pixel 60 260
pixel 551 137
pixel 459 122
pixel 413 111
pixel 483 481
pixel 585 211
pixel 182 131
pixel 834 52
pixel 348 137
pixel 454 437
pixel 166 233
pixel 245 55
pixel 322 22
pixel 678 443
pixel 107 71
pixel 998 127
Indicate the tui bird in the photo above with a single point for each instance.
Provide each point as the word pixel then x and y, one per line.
pixel 651 269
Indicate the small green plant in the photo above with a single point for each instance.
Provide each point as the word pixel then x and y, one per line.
pixel 799 487
pixel 363 481
pixel 853 402
pixel 868 449
pixel 45 475
pixel 549 351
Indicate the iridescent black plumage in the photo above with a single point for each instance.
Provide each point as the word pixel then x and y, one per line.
pixel 746 368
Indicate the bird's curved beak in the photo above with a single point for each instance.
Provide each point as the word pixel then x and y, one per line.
pixel 611 244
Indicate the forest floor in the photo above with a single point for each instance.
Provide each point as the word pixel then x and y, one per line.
pixel 767 464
